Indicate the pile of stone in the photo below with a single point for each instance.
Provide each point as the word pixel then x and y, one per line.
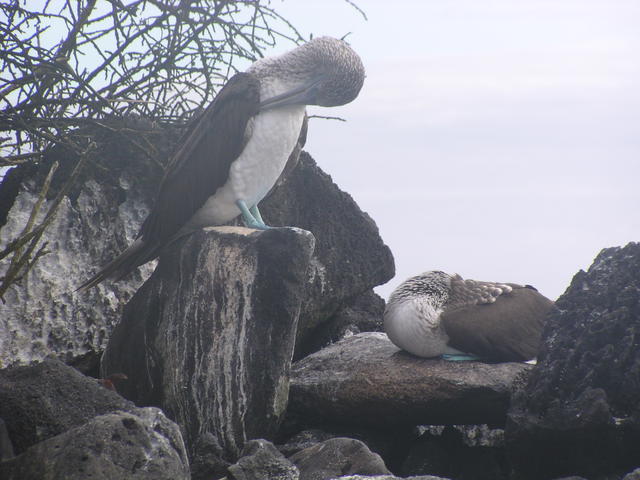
pixel 189 374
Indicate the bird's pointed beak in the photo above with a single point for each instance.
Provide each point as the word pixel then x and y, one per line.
pixel 303 95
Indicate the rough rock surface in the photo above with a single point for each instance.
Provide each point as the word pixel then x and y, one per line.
pixel 578 413
pixel 365 379
pixel 44 400
pixel 42 314
pixel 363 313
pixel 635 475
pixel 6 446
pixel 350 257
pixel 389 477
pixel 391 444
pixel 261 460
pixel 142 445
pixel 210 336
pixel 336 457
pixel 449 455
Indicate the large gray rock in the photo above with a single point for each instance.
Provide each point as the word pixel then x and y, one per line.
pixel 578 413
pixel 261 460
pixel 455 453
pixel 336 457
pixel 210 336
pixel 363 313
pixel 6 445
pixel 635 475
pixel 143 445
pixel 44 400
pixel 99 218
pixel 350 257
pixel 96 220
pixel 391 444
pixel 365 379
pixel 388 477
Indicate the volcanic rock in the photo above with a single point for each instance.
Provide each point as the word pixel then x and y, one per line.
pixel 350 258
pixel 579 411
pixel 140 445
pixel 44 400
pixel 366 380
pixel 338 456
pixel 210 336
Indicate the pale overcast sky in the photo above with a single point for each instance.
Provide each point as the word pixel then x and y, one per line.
pixel 496 139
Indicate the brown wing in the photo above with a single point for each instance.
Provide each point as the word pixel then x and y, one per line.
pixel 508 329
pixel 201 163
pixel 472 292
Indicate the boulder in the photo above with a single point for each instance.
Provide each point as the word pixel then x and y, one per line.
pixel 261 460
pixel 210 336
pixel 366 380
pixel 578 413
pixel 98 218
pixel 388 477
pixel 47 399
pixel 449 454
pixel 391 444
pixel 635 475
pixel 350 257
pixel 6 446
pixel 336 457
pixel 302 440
pixel 572 477
pixel 363 313
pixel 140 445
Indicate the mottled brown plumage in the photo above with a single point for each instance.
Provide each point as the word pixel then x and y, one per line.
pixel 436 313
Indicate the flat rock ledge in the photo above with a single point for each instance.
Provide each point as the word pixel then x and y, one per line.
pixel 365 379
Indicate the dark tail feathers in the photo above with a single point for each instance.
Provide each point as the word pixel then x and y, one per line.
pixel 136 254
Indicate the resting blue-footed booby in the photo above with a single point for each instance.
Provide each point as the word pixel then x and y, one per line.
pixel 436 314
pixel 239 148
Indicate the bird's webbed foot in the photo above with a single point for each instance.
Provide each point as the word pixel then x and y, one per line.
pixel 251 216
pixel 460 357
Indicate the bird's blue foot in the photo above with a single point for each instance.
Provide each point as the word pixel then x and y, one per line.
pixel 460 357
pixel 251 216
pixel 256 214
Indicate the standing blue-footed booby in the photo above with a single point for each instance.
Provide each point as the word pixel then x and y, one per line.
pixel 233 155
pixel 436 313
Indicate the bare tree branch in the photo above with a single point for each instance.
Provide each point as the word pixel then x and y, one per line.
pixel 73 64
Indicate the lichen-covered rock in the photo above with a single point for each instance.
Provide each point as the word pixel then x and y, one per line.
pixel 350 257
pixel 365 379
pixel 209 337
pixel 41 401
pixel 140 445
pixel 336 457
pixel 41 314
pixel 261 460
pixel 102 215
pixel 579 411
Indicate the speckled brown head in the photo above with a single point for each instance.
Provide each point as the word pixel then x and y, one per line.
pixel 324 71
